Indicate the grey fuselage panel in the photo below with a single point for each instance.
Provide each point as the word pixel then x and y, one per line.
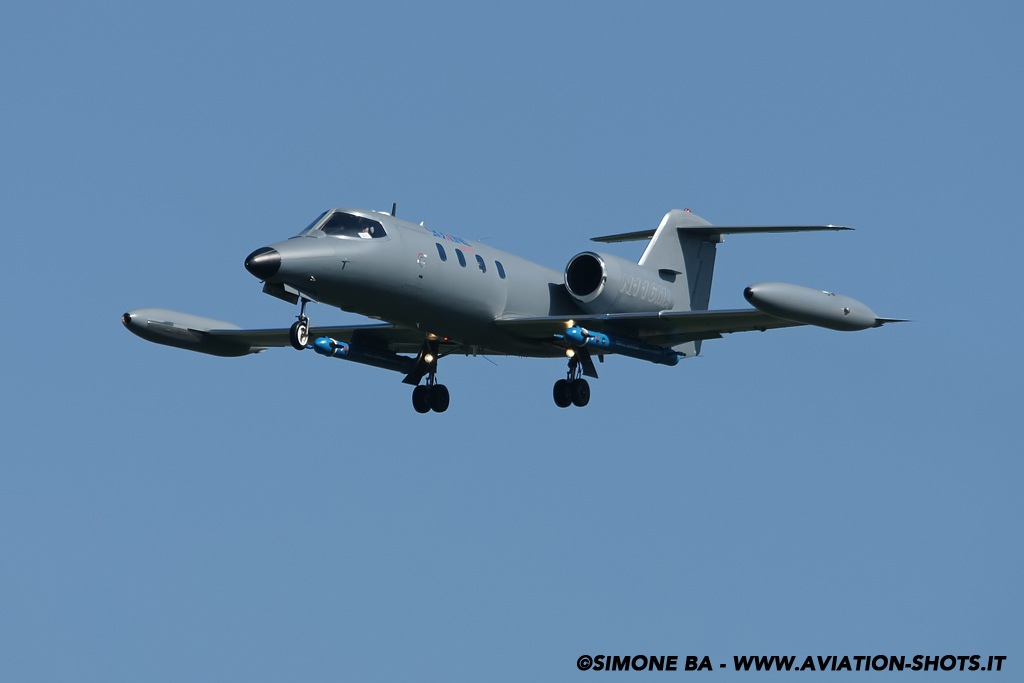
pixel 427 280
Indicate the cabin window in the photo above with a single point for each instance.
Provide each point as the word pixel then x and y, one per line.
pixel 501 269
pixel 481 264
pixel 440 252
pixel 461 257
pixel 349 225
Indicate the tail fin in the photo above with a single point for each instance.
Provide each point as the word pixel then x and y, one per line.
pixel 682 251
pixel 685 260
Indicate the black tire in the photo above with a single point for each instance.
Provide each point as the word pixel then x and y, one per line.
pixel 419 400
pixel 580 393
pixel 562 393
pixel 438 398
pixel 298 335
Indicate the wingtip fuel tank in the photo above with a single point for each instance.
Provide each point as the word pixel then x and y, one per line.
pixel 185 331
pixel 811 306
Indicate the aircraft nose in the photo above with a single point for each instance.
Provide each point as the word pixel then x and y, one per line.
pixel 263 263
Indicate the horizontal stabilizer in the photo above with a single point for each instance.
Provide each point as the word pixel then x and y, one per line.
pixel 625 237
pixel 715 230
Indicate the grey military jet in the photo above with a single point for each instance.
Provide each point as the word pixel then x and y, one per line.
pixel 437 294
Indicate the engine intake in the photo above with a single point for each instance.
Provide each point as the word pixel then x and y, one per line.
pixel 603 283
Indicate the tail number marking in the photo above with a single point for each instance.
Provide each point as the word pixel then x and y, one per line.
pixel 645 290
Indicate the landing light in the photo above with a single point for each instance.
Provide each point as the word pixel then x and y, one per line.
pixel 429 358
pixel 569 353
pixel 570 323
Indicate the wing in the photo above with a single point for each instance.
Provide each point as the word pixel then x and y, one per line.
pixel 666 328
pixel 380 336
pixel 219 338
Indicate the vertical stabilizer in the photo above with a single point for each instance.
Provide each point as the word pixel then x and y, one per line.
pixel 684 259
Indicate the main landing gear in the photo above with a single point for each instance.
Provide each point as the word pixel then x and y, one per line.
pixel 430 395
pixel 573 390
pixel 427 397
pixel 298 335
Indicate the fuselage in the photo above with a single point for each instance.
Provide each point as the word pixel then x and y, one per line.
pixel 382 267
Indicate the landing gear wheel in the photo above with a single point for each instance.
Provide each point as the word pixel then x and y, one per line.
pixel 574 390
pixel 419 400
pixel 580 392
pixel 298 335
pixel 438 398
pixel 563 393
pixel 430 395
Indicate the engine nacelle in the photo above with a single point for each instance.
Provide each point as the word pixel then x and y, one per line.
pixel 603 283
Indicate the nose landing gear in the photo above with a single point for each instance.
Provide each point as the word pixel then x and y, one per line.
pixel 298 335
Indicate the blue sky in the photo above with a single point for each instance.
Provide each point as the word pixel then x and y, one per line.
pixel 172 516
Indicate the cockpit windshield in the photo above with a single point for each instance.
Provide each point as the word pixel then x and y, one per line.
pixel 349 225
pixel 315 221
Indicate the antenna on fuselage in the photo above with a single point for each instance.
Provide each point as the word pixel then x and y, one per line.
pixel 394 208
